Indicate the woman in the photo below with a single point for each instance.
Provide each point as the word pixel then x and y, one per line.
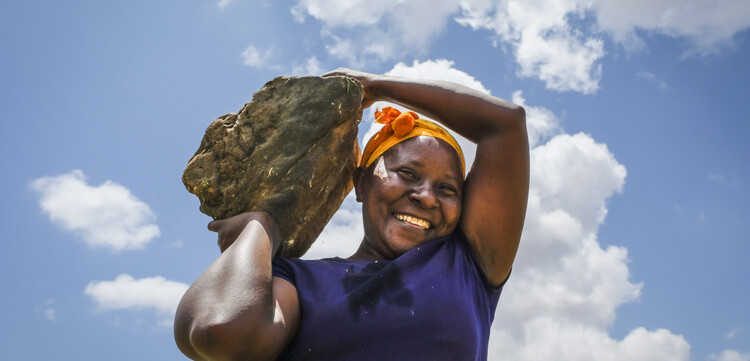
pixel 426 278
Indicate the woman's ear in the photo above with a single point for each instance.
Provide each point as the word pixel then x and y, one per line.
pixel 360 180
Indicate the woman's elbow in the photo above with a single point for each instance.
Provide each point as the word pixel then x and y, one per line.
pixel 213 342
pixel 221 341
pixel 510 119
pixel 189 336
pixel 517 115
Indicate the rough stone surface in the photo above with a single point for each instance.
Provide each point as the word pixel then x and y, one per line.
pixel 290 152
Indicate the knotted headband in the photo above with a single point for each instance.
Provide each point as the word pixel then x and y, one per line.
pixel 400 127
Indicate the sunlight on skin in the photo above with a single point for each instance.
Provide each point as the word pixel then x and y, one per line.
pixel 380 171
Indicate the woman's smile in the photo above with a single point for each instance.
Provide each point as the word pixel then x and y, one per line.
pixel 413 221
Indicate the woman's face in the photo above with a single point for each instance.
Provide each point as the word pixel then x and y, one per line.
pixel 410 195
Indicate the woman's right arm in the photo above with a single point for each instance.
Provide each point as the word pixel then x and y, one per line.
pixel 236 309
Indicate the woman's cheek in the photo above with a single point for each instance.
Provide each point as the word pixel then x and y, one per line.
pixel 455 215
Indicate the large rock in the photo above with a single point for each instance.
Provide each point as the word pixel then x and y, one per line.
pixel 290 152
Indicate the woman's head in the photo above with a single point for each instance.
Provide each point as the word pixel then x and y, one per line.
pixel 400 127
pixel 410 193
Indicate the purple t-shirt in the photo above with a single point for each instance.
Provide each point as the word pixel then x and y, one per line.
pixel 431 303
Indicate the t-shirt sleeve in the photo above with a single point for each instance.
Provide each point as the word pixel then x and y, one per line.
pixel 283 268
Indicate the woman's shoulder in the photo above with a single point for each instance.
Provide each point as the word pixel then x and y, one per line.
pixel 292 269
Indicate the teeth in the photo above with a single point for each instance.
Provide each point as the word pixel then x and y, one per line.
pixel 414 220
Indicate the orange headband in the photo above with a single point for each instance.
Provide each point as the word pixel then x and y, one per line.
pixel 400 127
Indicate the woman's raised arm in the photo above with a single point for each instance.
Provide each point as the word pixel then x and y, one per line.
pixel 496 188
pixel 236 309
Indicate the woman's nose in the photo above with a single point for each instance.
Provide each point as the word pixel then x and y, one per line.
pixel 425 196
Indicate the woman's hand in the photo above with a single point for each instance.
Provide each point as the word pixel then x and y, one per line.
pixel 229 229
pixel 366 79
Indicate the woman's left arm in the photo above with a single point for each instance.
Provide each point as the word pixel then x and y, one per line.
pixel 497 186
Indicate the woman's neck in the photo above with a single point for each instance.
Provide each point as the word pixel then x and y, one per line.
pixel 366 252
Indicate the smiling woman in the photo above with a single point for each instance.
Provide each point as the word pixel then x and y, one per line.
pixel 410 195
pixel 427 276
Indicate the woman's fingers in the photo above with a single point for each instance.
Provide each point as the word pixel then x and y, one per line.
pixel 362 77
pixel 339 71
pixel 229 229
pixel 213 226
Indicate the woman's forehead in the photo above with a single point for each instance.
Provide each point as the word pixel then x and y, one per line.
pixel 425 151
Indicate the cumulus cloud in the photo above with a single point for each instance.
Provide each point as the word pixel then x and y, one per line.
pixel 440 69
pixel 560 42
pixel 310 67
pixel 565 289
pixel 107 215
pixel 548 43
pixel 541 123
pixel 377 29
pixel 342 235
pixel 543 41
pixel 731 355
pixel 126 293
pixel 710 25
pixel 258 58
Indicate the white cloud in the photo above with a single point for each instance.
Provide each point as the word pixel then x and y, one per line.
pixel 440 69
pixel 560 42
pixel 732 333
pixel 126 293
pixel 410 23
pixel 49 313
pixel 549 45
pixel 222 3
pixel 343 234
pixel 544 43
pixel 104 216
pixel 377 29
pixel 577 175
pixel 565 288
pixel 708 24
pixel 731 355
pixel 651 77
pixel 343 13
pixel 541 123
pixel 257 58
pixel 177 244
pixel 345 49
pixel 310 67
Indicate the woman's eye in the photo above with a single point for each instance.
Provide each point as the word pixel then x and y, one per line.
pixel 408 174
pixel 448 190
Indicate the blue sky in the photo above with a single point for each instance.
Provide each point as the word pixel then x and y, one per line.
pixel 636 238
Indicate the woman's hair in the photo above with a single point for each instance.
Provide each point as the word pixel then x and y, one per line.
pixel 400 127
